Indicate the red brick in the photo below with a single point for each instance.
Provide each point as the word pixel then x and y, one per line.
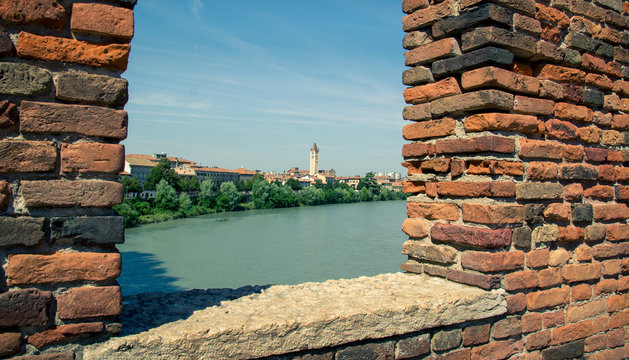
pixel 424 93
pixel 600 81
pixel 495 167
pixel 581 292
pixel 572 153
pixel 584 253
pixel 457 167
pixel 531 322
pixel 542 170
pixel 492 262
pixel 603 251
pixel 561 74
pixel 573 192
pixel 10 343
pixel 432 211
pixel 50 118
pixel 482 281
pixel 562 130
pixel 507 327
pixel 417 150
pixel 625 264
pixel 611 267
pixel 101 19
pixel 502 122
pixel 408 6
pixel 435 165
pixel 113 56
pixel 415 228
pixel 593 63
pixel 27 307
pixel 595 342
pixel 46 12
pixel 475 189
pixel 92 157
pixel 537 258
pixel 493 77
pixel 609 212
pixel 620 122
pixel 558 212
pixel 606 173
pixel 27 156
pixel 552 15
pixel 433 51
pixel 465 235
pixel 478 144
pixel 538 340
pixel 554 318
pixel 606 286
pixel 622 174
pixel 463 354
pixel 617 302
pixel 493 214
pixel 410 187
pixel 547 298
pixel 616 338
pixel 573 112
pixel 549 277
pixel 87 302
pixel 497 350
pixel 516 303
pixel 64 193
pixel 429 15
pixel 593 154
pixel 571 234
pixel 619 319
pixel 475 335
pixel 571 332
pixel 63 333
pixel 428 129
pixel 582 272
pixel 8 114
pixel 520 280
pixel 599 192
pixel 535 106
pixel 540 149
pixel 62 267
pixel 576 313
pixel 610 354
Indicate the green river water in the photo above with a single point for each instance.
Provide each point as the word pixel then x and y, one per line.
pixel 259 247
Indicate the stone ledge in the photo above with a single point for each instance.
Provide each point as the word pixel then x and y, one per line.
pixel 284 319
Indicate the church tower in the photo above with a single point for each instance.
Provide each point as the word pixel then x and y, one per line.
pixel 314 159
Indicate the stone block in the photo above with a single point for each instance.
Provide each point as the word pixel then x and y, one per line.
pixel 413 346
pixel 446 340
pixel 473 59
pixel 62 267
pixel 27 156
pixel 64 193
pixel 519 44
pixel 101 19
pixel 39 118
pixel 91 89
pixel 376 351
pixel 113 56
pixel 88 302
pixel 27 307
pixel 23 230
pixel 582 212
pixel 23 79
pixel 471 18
pixel 431 253
pixel 472 101
pixel 466 235
pixel 417 75
pixel 521 237
pixel 90 230
pixel 545 233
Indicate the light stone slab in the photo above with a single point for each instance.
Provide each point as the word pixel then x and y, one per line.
pixel 284 319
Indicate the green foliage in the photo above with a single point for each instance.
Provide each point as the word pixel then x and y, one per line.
pixel 310 196
pixel 285 197
pixel 163 172
pixel 185 204
pixel 166 196
pixel 256 178
pixel 127 211
pixel 260 195
pixel 365 194
pixel 369 182
pixel 190 184
pixel 131 184
pixel 294 184
pixel 228 197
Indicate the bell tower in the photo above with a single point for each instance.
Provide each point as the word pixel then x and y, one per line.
pixel 314 159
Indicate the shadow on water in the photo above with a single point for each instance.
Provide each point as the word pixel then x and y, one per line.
pixel 145 273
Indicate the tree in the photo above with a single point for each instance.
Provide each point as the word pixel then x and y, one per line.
pixel 261 194
pixel 166 196
pixel 206 194
pixel 185 204
pixel 131 184
pixel 228 197
pixel 190 184
pixel 310 196
pixel 369 182
pixel 256 178
pixel 294 184
pixel 284 197
pixel 126 210
pixel 365 194
pixel 163 171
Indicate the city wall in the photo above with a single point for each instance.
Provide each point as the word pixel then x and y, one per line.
pixel 517 153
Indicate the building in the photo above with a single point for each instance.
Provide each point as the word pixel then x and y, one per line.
pixel 314 159
pixel 216 174
pixel 140 165
pixel 349 180
pixel 244 174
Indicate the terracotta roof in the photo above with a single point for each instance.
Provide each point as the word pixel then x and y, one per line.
pixel 244 171
pixel 141 160
pixel 213 169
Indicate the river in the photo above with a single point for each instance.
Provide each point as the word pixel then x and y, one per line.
pixel 259 247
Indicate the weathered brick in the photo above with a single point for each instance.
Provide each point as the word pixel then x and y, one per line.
pixel 477 100
pixel 415 228
pixel 538 191
pixel 426 252
pixel 575 313
pixel 427 16
pixel 542 170
pixel 439 165
pixel 497 350
pixel 570 234
pixel 23 79
pixel 521 237
pixel 582 272
pixel 606 173
pixel 412 266
pixel 572 153
pixel 492 262
pixel 559 257
pixel 552 15
pixel 594 154
pixel 610 212
pixel 412 346
pixel 561 73
pixel 581 292
pixel 63 333
pixel 114 56
pixel 516 303
pixel 549 277
pixel 600 192
pixel 474 189
pixel 63 193
pixel 5 195
pixel 491 76
pixel 87 302
pixel 482 281
pixel 408 6
pixel 595 232
pixel 562 130
pixel 27 156
pixel 472 59
pixel 619 319
pixel 92 157
pixel 21 230
pixel 599 81
pixel 550 89
pixel 573 112
pixel 493 214
pixel 101 19
pixel 558 212
pixel 606 286
pixel 620 122
pixel 432 91
pixel 537 258
pixel 622 192
pixel 417 112
pixel 527 24
pixel 582 212
pixel 547 298
pixel 28 307
pixel 591 134
pixel 527 105
pixel 417 150
pixel 45 12
pixel 507 327
pixel 470 18
pixel 417 75
pixel 52 355
pixel 495 167
pixel 578 172
pixel 622 174
pixel 91 88
pixel 430 52
pixel 540 149
pixel 477 144
pixel 416 38
pixel 36 117
pixel 466 235
pixel 10 344
pixel 593 97
pixel 519 44
pixel 428 129
pixel 538 340
pixel 475 335
pixel 611 267
pixel 615 138
pixel 382 350
pixel 566 351
pixel 521 280
pixel 571 332
pixel 62 267
pixel 8 114
pixel 87 230
pixel 554 318
pixel 432 211
pixel 617 232
pixel 502 122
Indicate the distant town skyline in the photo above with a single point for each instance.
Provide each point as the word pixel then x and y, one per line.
pixel 253 84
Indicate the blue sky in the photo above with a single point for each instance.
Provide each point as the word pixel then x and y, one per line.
pixel 254 83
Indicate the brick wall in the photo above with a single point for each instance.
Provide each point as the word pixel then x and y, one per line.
pixel 61 118
pixel 518 166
